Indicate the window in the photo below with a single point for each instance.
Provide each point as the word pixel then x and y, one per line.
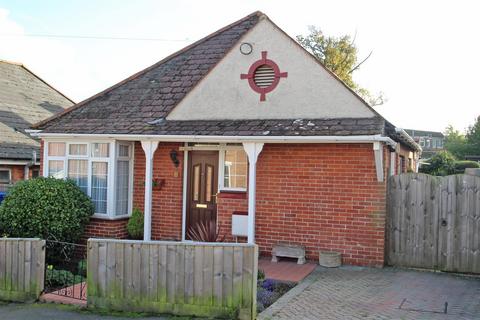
pixel 5 176
pixel 101 169
pixel 123 179
pixel 422 142
pixel 235 168
pixel 401 165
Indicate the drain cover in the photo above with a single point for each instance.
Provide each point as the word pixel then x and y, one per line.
pixel 423 305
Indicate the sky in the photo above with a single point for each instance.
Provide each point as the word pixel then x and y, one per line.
pixel 425 53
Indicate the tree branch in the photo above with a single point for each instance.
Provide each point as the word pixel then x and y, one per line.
pixel 358 65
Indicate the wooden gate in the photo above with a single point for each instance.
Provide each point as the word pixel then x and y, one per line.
pixel 434 222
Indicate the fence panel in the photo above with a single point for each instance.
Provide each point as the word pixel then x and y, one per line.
pixel 197 279
pixel 22 268
pixel 434 222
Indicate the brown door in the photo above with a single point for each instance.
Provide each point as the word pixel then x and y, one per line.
pixel 202 188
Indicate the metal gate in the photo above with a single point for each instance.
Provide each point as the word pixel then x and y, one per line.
pixel 434 222
pixel 66 269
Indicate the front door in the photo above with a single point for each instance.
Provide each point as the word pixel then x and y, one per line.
pixel 202 188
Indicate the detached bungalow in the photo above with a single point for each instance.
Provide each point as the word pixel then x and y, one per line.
pixel 244 128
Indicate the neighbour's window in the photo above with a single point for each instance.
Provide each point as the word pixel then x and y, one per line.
pixel 235 167
pixel 105 178
pixel 401 165
pixel 5 176
pixel 422 142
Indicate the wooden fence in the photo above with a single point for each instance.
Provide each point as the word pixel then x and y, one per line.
pixel 197 279
pixel 434 222
pixel 22 268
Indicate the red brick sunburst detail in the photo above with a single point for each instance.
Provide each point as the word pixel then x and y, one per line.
pixel 251 73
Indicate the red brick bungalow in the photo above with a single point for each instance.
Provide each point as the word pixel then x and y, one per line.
pixel 244 126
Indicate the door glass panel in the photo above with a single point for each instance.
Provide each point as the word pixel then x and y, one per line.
pixel 209 184
pixel 196 182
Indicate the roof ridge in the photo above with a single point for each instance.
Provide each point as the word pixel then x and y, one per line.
pixel 136 75
pixel 12 62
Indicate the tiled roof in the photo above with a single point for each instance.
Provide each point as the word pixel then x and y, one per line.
pixel 274 127
pixel 152 93
pixel 24 100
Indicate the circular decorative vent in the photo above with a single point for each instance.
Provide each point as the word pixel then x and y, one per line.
pixel 264 76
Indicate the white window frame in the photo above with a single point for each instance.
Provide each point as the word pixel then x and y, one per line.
pixel 9 175
pixel 111 170
pixel 221 170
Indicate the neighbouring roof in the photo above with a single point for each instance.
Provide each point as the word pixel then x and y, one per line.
pixel 424 133
pixel 140 104
pixel 24 100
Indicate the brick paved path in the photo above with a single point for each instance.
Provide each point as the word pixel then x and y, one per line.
pixel 364 293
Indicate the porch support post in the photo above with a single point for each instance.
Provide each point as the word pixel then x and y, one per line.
pixel 378 151
pixel 149 148
pixel 252 149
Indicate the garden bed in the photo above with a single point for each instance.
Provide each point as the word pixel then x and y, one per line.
pixel 269 291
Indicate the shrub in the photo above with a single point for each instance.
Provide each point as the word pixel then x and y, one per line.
pixel 206 231
pixel 460 166
pixel 47 208
pixel 59 278
pixel 135 224
pixel 441 164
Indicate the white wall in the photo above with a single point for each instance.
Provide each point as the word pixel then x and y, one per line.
pixel 308 92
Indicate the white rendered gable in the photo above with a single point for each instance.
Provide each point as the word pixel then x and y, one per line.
pixel 308 91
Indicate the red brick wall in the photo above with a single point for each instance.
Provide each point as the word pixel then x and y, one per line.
pixel 323 196
pixel 167 199
pixel 227 204
pixel 100 228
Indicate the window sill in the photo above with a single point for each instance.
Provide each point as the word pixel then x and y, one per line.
pixel 107 217
pixel 232 194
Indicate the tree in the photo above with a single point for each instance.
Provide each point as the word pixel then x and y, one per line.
pixel 339 55
pixel 455 142
pixel 473 138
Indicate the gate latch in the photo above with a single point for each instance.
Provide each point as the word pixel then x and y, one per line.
pixel 444 223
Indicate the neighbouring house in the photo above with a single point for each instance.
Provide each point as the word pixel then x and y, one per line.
pixel 243 128
pixel 24 100
pixel 431 142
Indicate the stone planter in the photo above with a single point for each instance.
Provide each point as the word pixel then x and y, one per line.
pixel 330 259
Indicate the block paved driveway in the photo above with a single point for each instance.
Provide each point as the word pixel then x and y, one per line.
pixel 367 293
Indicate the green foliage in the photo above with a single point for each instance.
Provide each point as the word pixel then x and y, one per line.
pixel 82 267
pixel 441 164
pixel 460 166
pixel 135 224
pixel 260 275
pixel 56 278
pixel 455 142
pixel 473 138
pixel 47 208
pixel 461 145
pixel 339 55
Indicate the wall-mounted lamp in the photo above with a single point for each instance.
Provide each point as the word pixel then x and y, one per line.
pixel 173 156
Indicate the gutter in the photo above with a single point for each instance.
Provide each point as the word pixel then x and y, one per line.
pixel 407 137
pixel 201 138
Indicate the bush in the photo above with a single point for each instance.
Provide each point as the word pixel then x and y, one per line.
pixel 135 224
pixel 460 166
pixel 441 164
pixel 47 208
pixel 59 278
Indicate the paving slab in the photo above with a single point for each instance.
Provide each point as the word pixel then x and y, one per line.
pixel 369 293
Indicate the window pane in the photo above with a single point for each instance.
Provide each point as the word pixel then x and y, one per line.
pixel 56 149
pixel 77 149
pixel 235 169
pixel 99 186
pixel 123 182
pixel 78 172
pixel 100 150
pixel 55 169
pixel 123 150
pixel 4 176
